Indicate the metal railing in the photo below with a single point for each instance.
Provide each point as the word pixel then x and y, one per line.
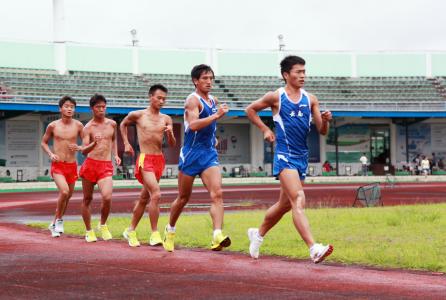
pixel 428 106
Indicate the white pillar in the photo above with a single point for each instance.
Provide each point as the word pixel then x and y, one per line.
pixel 428 65
pixel 280 56
pixel 40 168
pixel 135 60
pixel 322 148
pixel 59 36
pixel 257 153
pixel 354 65
pixel 212 59
pixel 393 143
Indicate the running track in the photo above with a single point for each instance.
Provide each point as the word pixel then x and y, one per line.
pixel 18 206
pixel 34 265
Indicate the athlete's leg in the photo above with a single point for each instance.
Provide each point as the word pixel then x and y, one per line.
pixel 275 213
pixel 292 188
pixel 87 189
pixel 106 188
pixel 70 193
pixel 185 183
pixel 152 186
pixel 140 207
pixel 64 195
pixel 211 178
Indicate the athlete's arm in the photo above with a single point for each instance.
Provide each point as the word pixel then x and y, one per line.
pixel 44 143
pixel 84 149
pixel 86 140
pixel 131 118
pixel 115 143
pixel 192 113
pixel 270 99
pixel 321 120
pixel 169 132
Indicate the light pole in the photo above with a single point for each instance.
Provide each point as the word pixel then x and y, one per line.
pixel 134 38
pixel 281 42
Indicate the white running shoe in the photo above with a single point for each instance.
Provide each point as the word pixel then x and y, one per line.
pixel 255 241
pixel 319 252
pixel 59 225
pixel 52 228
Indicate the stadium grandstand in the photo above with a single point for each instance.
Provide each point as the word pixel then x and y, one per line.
pixel 391 106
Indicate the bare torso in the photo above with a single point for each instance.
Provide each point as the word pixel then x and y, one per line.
pixel 105 131
pixel 65 134
pixel 150 128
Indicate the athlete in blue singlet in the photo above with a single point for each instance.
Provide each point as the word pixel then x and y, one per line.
pixel 198 152
pixel 199 156
pixel 293 111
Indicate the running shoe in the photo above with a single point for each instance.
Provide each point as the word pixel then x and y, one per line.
pixel 90 236
pixel 169 240
pixel 319 252
pixel 52 228
pixel 255 241
pixel 105 233
pixel 155 239
pixel 59 225
pixel 130 236
pixel 220 241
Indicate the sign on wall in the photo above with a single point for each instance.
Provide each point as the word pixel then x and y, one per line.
pixel 22 143
pixel 353 140
pixel 423 139
pixel 233 143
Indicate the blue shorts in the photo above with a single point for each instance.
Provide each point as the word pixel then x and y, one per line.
pixel 194 162
pixel 285 161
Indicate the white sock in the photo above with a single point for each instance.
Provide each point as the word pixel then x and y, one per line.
pixel 170 228
pixel 217 232
pixel 259 237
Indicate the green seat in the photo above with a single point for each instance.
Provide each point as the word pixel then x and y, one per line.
pixel 44 178
pixel 5 179
pixel 402 173
pixel 439 172
pixel 331 173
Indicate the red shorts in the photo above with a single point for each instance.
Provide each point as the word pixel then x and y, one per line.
pixel 94 170
pixel 68 170
pixel 150 163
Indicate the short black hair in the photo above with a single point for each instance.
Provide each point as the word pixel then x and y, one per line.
pixel 97 98
pixel 65 99
pixel 289 61
pixel 200 69
pixel 156 87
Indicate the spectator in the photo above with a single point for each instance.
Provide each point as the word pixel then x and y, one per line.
pixel 425 166
pixel 441 164
pixel 417 164
pixel 363 159
pixel 326 167
pixel 433 162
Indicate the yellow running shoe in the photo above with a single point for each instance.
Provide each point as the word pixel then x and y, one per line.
pixel 105 233
pixel 130 236
pixel 90 236
pixel 168 242
pixel 220 241
pixel 155 239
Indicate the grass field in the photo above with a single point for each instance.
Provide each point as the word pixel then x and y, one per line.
pixel 409 237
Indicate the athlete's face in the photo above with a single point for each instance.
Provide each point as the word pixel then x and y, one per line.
pixel 99 109
pixel 158 99
pixel 296 76
pixel 67 109
pixel 204 83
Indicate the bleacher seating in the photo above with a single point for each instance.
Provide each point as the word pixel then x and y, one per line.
pixel 378 93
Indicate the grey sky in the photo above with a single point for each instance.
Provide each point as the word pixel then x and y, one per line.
pixel 309 25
